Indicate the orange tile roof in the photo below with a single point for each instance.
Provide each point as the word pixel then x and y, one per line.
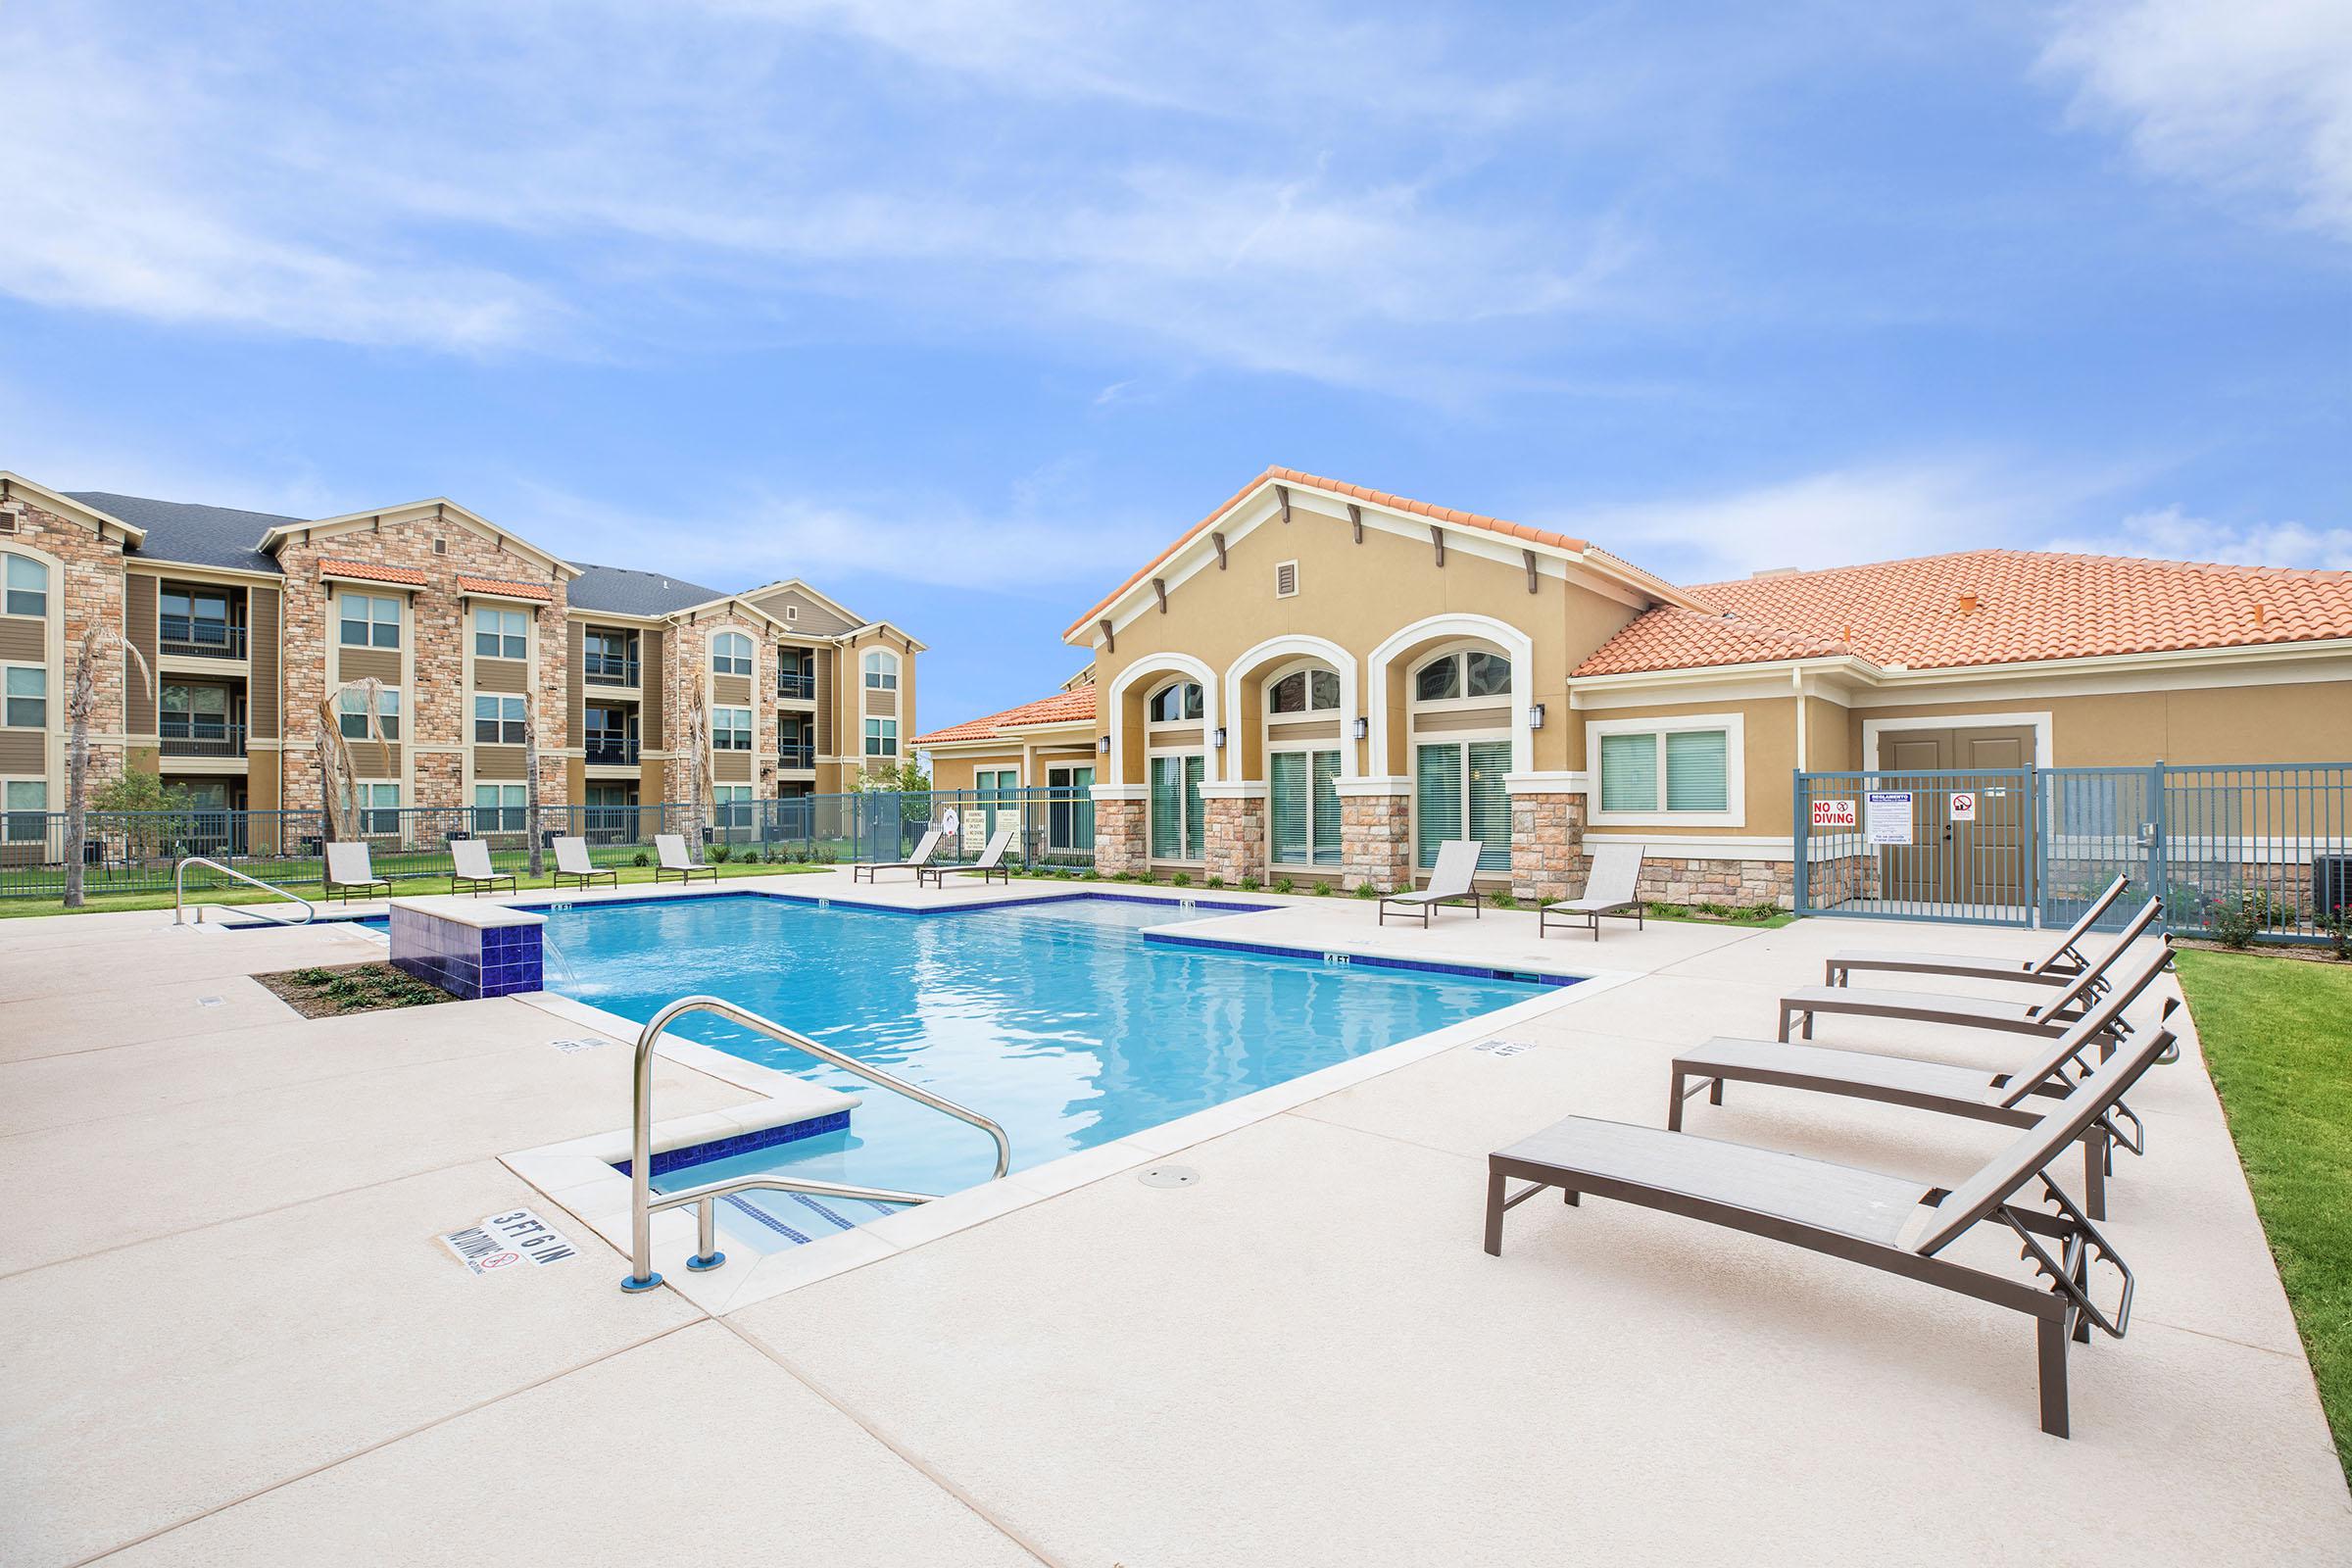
pixel 370 572
pixel 505 587
pixel 1379 498
pixel 1062 707
pixel 1985 607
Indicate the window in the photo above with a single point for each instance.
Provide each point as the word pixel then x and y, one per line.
pixel 501 634
pixel 1070 812
pixel 1669 770
pixel 194 618
pixel 881 671
pixel 881 737
pixel 28 803
pixel 730 729
pixel 1304 690
pixel 28 585
pixel 1173 705
pixel 380 808
pixel 1474 673
pixel 352 714
pixel 194 714
pixel 1177 822
pixel 796 673
pixel 499 807
pixel 1304 807
pixel 1458 793
pixel 731 654
pixel 28 686
pixel 498 720
pixel 369 621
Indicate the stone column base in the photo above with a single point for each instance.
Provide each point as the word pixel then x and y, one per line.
pixel 1548 846
pixel 1376 839
pixel 1119 846
pixel 1232 832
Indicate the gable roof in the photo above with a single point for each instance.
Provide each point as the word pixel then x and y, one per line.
pixel 13 485
pixel 1062 707
pixel 624 591
pixel 199 537
pixel 1985 607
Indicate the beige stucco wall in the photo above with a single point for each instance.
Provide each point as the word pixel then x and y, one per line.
pixel 1769 728
pixel 2304 721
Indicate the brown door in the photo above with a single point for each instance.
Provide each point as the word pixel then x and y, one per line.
pixel 1979 861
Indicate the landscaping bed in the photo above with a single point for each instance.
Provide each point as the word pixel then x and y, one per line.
pixel 330 993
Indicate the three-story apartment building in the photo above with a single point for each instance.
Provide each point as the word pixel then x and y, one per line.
pixel 468 641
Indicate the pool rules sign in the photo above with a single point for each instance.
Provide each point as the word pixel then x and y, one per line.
pixel 507 1241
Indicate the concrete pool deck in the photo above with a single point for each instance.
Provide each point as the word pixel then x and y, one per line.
pixel 234 1336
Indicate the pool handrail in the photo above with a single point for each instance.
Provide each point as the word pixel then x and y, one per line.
pixel 643 1203
pixel 179 873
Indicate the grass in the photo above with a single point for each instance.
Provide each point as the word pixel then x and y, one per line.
pixel 330 993
pixel 1756 917
pixel 100 903
pixel 2274 1033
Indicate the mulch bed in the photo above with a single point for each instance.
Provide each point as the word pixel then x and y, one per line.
pixel 330 993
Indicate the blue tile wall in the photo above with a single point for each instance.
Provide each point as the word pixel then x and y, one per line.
pixel 791 1132
pixel 466 961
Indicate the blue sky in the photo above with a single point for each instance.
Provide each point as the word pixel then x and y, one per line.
pixel 962 310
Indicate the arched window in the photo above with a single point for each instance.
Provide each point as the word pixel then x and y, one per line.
pixel 1176 765
pixel 730 654
pixel 1458 772
pixel 1175 704
pixel 881 669
pixel 26 585
pixel 1302 766
pixel 1470 673
pixel 1303 691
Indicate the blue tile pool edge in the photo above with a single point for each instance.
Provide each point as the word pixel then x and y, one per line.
pixel 1468 971
pixel 791 1132
pixel 819 900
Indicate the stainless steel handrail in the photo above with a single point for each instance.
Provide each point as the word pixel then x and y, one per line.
pixel 180 875
pixel 641 1202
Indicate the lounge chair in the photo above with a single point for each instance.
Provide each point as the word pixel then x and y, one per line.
pixel 2055 967
pixel 349 871
pixel 924 849
pixel 2008 1098
pixel 1882 1222
pixel 1448 883
pixel 673 860
pixel 572 869
pixel 471 870
pixel 1608 892
pixel 2048 1018
pixel 987 868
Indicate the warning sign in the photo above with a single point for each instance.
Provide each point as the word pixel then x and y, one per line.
pixel 1887 816
pixel 1964 806
pixel 507 1241
pixel 1835 813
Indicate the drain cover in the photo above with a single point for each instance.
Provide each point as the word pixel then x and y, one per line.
pixel 1169 1176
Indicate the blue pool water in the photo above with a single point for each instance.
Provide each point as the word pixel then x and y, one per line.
pixel 1057 1019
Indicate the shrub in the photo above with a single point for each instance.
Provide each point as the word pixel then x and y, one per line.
pixel 1216 882
pixel 1322 890
pixel 1504 898
pixel 1284 884
pixel 1249 884
pixel 640 858
pixel 720 854
pixel 1367 891
pixel 2337 923
pixel 2234 921
pixel 1181 879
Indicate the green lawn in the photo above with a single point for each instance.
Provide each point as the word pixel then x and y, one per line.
pixel 2279 1037
pixel 15 909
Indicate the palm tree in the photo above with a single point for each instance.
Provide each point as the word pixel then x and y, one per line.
pixel 338 776
pixel 79 702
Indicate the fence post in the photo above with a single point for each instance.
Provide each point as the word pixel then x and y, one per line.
pixel 2159 828
pixel 1800 842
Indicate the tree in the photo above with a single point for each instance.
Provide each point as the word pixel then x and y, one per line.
pixel 530 777
pixel 157 815
pixel 908 778
pixel 338 776
pixel 79 704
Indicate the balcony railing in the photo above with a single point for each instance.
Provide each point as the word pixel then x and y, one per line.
pixel 796 753
pixel 796 685
pixel 604 753
pixel 609 670
pixel 194 738
pixel 199 639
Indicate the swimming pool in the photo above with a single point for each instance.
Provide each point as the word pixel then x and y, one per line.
pixel 1057 1018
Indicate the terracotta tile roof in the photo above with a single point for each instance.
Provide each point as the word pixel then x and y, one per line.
pixel 505 587
pixel 1379 498
pixel 1985 607
pixel 370 572
pixel 1062 707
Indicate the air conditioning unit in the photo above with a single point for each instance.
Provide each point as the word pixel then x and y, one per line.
pixel 2330 882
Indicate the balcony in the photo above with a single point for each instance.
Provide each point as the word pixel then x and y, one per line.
pixel 609 670
pixel 798 686
pixel 608 751
pixel 184 737
pixel 796 753
pixel 193 637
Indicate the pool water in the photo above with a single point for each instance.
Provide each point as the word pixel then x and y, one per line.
pixel 1057 1019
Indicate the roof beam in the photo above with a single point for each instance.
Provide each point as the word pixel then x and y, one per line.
pixel 1159 586
pixel 1529 555
pixel 1282 493
pixel 1437 536
pixel 1220 540
pixel 1110 643
pixel 1356 516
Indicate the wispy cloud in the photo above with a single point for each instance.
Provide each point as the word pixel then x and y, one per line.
pixel 2252 98
pixel 2172 533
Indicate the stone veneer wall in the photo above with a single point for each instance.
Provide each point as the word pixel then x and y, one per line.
pixel 1547 836
pixel 1233 837
pixel 1376 842
pixel 88 585
pixel 1119 838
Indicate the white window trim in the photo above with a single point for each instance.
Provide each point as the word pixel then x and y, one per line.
pixel 52 583
pixel 1735 770
pixel 1152 726
pixel 49 714
pixel 865 741
pixel 889 668
pixel 1310 714
pixel 4 812
pixel 2039 723
pixel 1202 753
pixel 1414 740
pixel 1306 748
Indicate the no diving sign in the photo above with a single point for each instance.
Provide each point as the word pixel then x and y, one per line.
pixel 1833 813
pixel 507 1241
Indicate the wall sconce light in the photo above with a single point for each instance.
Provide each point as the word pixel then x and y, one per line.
pixel 1535 716
pixel 1219 741
pixel 1102 743
pixel 1363 727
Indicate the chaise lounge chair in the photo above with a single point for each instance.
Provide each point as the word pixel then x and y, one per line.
pixel 571 862
pixel 471 870
pixel 1882 1222
pixel 2016 1098
pixel 1608 892
pixel 350 873
pixel 673 860
pixel 2051 1018
pixel 2056 967
pixel 987 868
pixel 1448 883
pixel 924 849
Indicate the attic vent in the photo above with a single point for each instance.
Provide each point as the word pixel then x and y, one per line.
pixel 1286 579
pixel 8 519
pixel 792 611
pixel 440 547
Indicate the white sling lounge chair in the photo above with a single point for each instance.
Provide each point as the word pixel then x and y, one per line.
pixel 350 873
pixel 471 870
pixel 2055 967
pixel 987 868
pixel 1448 883
pixel 675 861
pixel 1881 1222
pixel 572 869
pixel 925 847
pixel 1608 892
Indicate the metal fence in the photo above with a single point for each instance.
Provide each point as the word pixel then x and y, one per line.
pixel 2270 847
pixel 135 852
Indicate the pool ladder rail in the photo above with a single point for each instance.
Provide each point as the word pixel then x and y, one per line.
pixel 180 895
pixel 643 1204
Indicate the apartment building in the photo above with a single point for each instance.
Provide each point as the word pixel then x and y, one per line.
pixel 262 630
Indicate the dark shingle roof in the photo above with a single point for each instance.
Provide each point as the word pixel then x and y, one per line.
pixel 201 536
pixel 623 592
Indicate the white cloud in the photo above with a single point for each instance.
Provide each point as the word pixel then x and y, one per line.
pixel 2172 534
pixel 2253 97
